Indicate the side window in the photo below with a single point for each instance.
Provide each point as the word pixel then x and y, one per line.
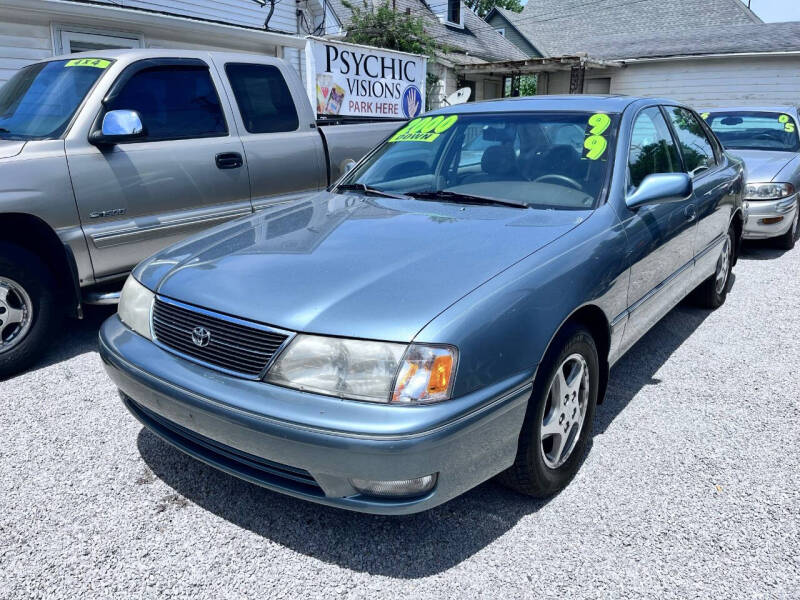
pixel 652 147
pixel 174 103
pixel 698 153
pixel 263 97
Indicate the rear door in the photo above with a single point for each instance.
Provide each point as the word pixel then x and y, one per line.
pixel 284 150
pixel 713 182
pixel 660 236
pixel 184 176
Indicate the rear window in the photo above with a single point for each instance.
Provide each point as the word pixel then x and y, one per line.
pixel 755 130
pixel 264 99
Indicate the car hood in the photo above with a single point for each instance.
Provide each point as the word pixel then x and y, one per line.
pixel 10 148
pixel 763 165
pixel 349 265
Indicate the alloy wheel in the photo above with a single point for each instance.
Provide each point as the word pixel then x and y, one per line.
pixel 16 314
pixel 723 266
pixel 565 411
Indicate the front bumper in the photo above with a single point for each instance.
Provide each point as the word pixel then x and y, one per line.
pixel 758 210
pixel 311 446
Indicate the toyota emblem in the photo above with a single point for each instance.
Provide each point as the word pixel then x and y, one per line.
pixel 201 336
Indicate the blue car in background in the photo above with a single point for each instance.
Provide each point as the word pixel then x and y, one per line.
pixel 435 318
pixel 768 140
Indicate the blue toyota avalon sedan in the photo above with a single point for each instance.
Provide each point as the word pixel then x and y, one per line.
pixel 446 312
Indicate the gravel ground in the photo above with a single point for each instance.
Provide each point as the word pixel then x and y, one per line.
pixel 691 487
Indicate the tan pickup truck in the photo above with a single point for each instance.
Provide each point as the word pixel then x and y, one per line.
pixel 105 158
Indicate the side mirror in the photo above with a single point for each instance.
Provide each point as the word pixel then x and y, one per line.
pixel 347 165
pixel 661 188
pixel 119 126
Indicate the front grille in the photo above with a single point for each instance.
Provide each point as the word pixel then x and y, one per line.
pixel 231 459
pixel 233 345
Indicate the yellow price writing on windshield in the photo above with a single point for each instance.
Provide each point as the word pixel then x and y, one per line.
pixel 595 146
pixel 705 116
pixel 98 63
pixel 599 122
pixel 424 129
pixel 783 119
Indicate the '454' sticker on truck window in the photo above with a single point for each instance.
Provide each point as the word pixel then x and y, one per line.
pixel 424 129
pixel 595 143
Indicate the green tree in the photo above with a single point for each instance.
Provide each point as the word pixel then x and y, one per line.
pixel 482 7
pixel 386 28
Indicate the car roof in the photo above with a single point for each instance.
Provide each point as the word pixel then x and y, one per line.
pixel 577 102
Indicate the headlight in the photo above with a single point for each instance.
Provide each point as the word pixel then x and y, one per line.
pixel 768 191
pixel 366 370
pixel 135 305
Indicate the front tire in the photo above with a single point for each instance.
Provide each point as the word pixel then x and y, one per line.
pixel 558 422
pixel 713 292
pixel 28 308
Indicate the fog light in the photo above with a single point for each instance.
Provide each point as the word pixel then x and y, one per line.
pixel 399 488
pixel 771 220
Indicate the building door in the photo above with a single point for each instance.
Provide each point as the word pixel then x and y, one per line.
pixel 598 85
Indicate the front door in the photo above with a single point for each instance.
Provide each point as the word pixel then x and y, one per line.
pixel 136 198
pixel 660 237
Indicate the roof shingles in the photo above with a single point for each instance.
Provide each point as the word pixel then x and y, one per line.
pixel 568 27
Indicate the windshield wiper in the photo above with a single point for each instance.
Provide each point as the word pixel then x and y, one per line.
pixel 366 190
pixel 4 130
pixel 457 197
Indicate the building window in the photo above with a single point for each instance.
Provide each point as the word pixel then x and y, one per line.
pixel 77 39
pixel 501 31
pixel 454 12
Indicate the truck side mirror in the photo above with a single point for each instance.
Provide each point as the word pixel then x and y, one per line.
pixel 118 126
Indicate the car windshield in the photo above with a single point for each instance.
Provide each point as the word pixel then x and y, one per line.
pixel 39 100
pixel 755 130
pixel 551 160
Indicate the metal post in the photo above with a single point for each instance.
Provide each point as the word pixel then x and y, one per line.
pixel 576 77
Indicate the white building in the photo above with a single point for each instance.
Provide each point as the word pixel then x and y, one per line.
pixel 707 53
pixel 34 29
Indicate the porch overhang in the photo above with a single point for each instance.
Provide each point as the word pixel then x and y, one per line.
pixel 530 66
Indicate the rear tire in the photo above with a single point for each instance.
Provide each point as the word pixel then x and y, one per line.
pixel 547 457
pixel 29 312
pixel 788 239
pixel 713 292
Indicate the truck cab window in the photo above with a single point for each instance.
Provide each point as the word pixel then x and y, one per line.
pixel 174 103
pixel 264 99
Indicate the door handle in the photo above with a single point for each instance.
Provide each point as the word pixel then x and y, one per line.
pixel 229 160
pixel 690 212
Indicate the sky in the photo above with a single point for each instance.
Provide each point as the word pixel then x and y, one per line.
pixel 776 10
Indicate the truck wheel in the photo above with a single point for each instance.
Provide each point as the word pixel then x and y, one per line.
pixel 788 239
pixel 28 310
pixel 558 422
pixel 714 290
